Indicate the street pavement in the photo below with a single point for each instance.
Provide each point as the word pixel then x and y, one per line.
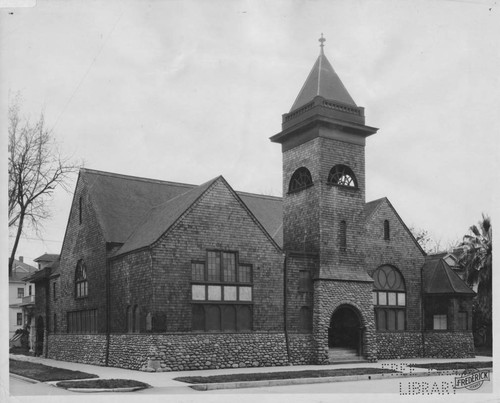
pixel 163 382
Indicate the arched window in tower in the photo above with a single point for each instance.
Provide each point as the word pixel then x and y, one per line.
pixel 389 299
pixel 387 234
pixel 343 235
pixel 301 179
pixel 342 175
pixel 81 283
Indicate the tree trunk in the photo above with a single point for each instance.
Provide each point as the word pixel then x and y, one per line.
pixel 16 242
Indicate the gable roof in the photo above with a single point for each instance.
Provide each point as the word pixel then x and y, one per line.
pixel 47 257
pixel 161 218
pixel 323 81
pixel 20 270
pixel 124 203
pixel 440 278
pixel 372 207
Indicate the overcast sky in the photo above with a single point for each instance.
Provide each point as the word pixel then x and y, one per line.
pixel 188 90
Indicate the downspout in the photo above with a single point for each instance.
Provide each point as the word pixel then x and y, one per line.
pixel 106 359
pixel 45 346
pixel 285 306
pixel 422 307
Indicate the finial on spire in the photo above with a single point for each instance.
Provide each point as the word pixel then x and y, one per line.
pixel 322 42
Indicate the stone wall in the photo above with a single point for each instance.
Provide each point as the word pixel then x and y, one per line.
pixel 398 345
pixel 84 348
pixel 182 352
pixel 442 344
pixel 302 349
pixel 329 296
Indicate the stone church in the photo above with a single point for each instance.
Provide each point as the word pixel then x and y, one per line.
pixel 159 276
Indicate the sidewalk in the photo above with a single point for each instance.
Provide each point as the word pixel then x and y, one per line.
pixel 166 379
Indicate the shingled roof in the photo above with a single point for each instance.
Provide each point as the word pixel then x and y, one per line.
pixel 126 205
pixel 440 278
pixel 323 81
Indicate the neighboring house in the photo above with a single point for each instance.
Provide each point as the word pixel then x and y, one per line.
pixel 21 292
pixel 156 275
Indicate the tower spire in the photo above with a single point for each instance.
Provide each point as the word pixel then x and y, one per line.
pixel 322 43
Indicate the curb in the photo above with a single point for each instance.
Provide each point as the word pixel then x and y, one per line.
pixel 90 390
pixel 23 378
pixel 305 381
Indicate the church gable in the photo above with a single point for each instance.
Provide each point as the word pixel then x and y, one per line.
pixel 187 276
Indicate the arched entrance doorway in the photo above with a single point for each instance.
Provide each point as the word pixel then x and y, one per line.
pixel 39 336
pixel 345 334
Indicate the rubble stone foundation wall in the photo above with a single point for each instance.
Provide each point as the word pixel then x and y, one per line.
pixel 457 344
pixel 180 352
pixel 399 345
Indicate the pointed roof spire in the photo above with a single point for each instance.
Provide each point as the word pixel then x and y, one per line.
pixel 323 81
pixel 322 43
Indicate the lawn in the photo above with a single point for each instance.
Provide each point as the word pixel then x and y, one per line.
pixel 44 373
pixel 283 375
pixel 445 366
pixel 102 384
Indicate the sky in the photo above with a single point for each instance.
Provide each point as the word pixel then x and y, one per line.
pixel 185 91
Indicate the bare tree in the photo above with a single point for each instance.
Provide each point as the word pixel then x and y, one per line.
pixel 35 169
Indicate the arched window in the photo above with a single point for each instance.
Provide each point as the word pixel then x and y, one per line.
pixel 342 175
pixel 343 235
pixel 81 283
pixel 301 179
pixel 389 299
pixel 387 233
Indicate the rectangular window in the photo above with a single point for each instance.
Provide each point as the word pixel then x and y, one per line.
pixel 245 293
pixel 392 298
pixel 245 274
pixel 391 319
pixel 462 321
pixel 400 319
pixel 29 290
pixel 19 319
pixel 230 293
pixel 198 292
pixel 82 321
pixel 440 322
pixel 213 266
pixel 382 298
pixel 381 322
pixel 229 267
pixel 198 271
pixel 375 298
pixel 20 292
pixel 401 299
pixel 214 293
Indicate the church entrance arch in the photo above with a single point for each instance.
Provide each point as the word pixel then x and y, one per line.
pixel 345 333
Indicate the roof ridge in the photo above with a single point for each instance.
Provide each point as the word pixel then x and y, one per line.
pixel 262 196
pixel 132 177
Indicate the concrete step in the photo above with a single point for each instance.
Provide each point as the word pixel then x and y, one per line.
pixel 343 354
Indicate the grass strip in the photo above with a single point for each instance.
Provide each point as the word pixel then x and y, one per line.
pixel 267 376
pixel 444 366
pixel 102 384
pixel 45 373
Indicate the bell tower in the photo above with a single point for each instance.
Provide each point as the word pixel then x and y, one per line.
pixel 323 140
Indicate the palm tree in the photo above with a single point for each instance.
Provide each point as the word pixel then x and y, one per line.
pixel 476 259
